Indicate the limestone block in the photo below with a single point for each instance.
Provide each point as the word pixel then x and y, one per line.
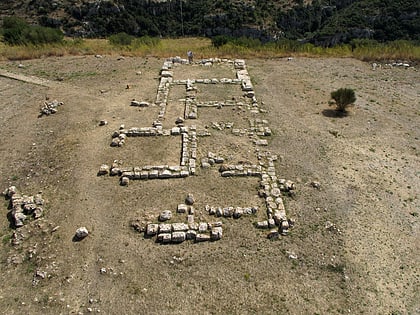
pixel 39 201
pixel 237 213
pixel 202 237
pixel 165 215
pixel 175 131
pixel 103 170
pixel 177 227
pixel 124 181
pixel 190 219
pixel 273 234
pixel 165 228
pixel 115 142
pixel 190 235
pixel 185 174
pixel 165 174
pixel 261 142
pixel 38 212
pixel 9 192
pixel 153 174
pixel 152 229
pixel 262 224
pixel 178 237
pixel 228 212
pixel 212 211
pixel 271 223
pixel 193 226
pixel 182 208
pixel 166 74
pixel 228 173
pixel 164 238
pixel 215 224
pixel 216 233
pixel 219 211
pixel 202 227
pixel 275 192
pixel 19 217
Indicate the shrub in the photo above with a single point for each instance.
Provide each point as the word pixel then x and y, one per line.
pixel 146 41
pixel 17 32
pixel 121 39
pixel 343 98
pixel 220 40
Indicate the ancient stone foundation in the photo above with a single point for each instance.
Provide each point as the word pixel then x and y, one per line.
pixel 191 163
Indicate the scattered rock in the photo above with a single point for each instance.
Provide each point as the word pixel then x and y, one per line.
pixel 316 184
pixel 165 215
pixel 291 255
pixel 125 181
pixel 103 123
pixel 190 199
pixel 103 170
pixel 81 233
pixel 50 107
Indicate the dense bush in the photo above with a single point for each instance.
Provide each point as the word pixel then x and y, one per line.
pixel 146 41
pixel 121 39
pixel 17 32
pixel 343 98
pixel 220 40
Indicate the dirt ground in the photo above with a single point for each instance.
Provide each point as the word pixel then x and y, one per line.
pixel 367 164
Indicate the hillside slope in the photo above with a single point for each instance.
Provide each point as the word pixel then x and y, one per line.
pixel 322 22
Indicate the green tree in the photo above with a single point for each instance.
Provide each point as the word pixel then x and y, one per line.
pixel 343 98
pixel 17 32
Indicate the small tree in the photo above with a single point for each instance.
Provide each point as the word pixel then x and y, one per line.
pixel 343 98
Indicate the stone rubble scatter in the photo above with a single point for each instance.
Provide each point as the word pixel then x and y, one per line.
pixel 23 206
pixel 50 107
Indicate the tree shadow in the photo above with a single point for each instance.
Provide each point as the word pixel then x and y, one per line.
pixel 333 113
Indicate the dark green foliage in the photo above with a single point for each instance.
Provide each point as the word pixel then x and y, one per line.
pixel 121 39
pixel 343 98
pixel 220 40
pixel 242 41
pixel 17 32
pixel 322 22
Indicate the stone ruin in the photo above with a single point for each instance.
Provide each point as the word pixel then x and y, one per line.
pixel 50 107
pixel 23 206
pixel 271 187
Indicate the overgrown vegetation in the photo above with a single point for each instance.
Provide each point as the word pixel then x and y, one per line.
pixel 129 41
pixel 204 47
pixel 17 32
pixel 343 98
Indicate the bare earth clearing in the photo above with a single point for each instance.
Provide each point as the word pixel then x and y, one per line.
pixel 367 163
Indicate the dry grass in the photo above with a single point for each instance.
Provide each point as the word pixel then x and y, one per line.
pixel 202 47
